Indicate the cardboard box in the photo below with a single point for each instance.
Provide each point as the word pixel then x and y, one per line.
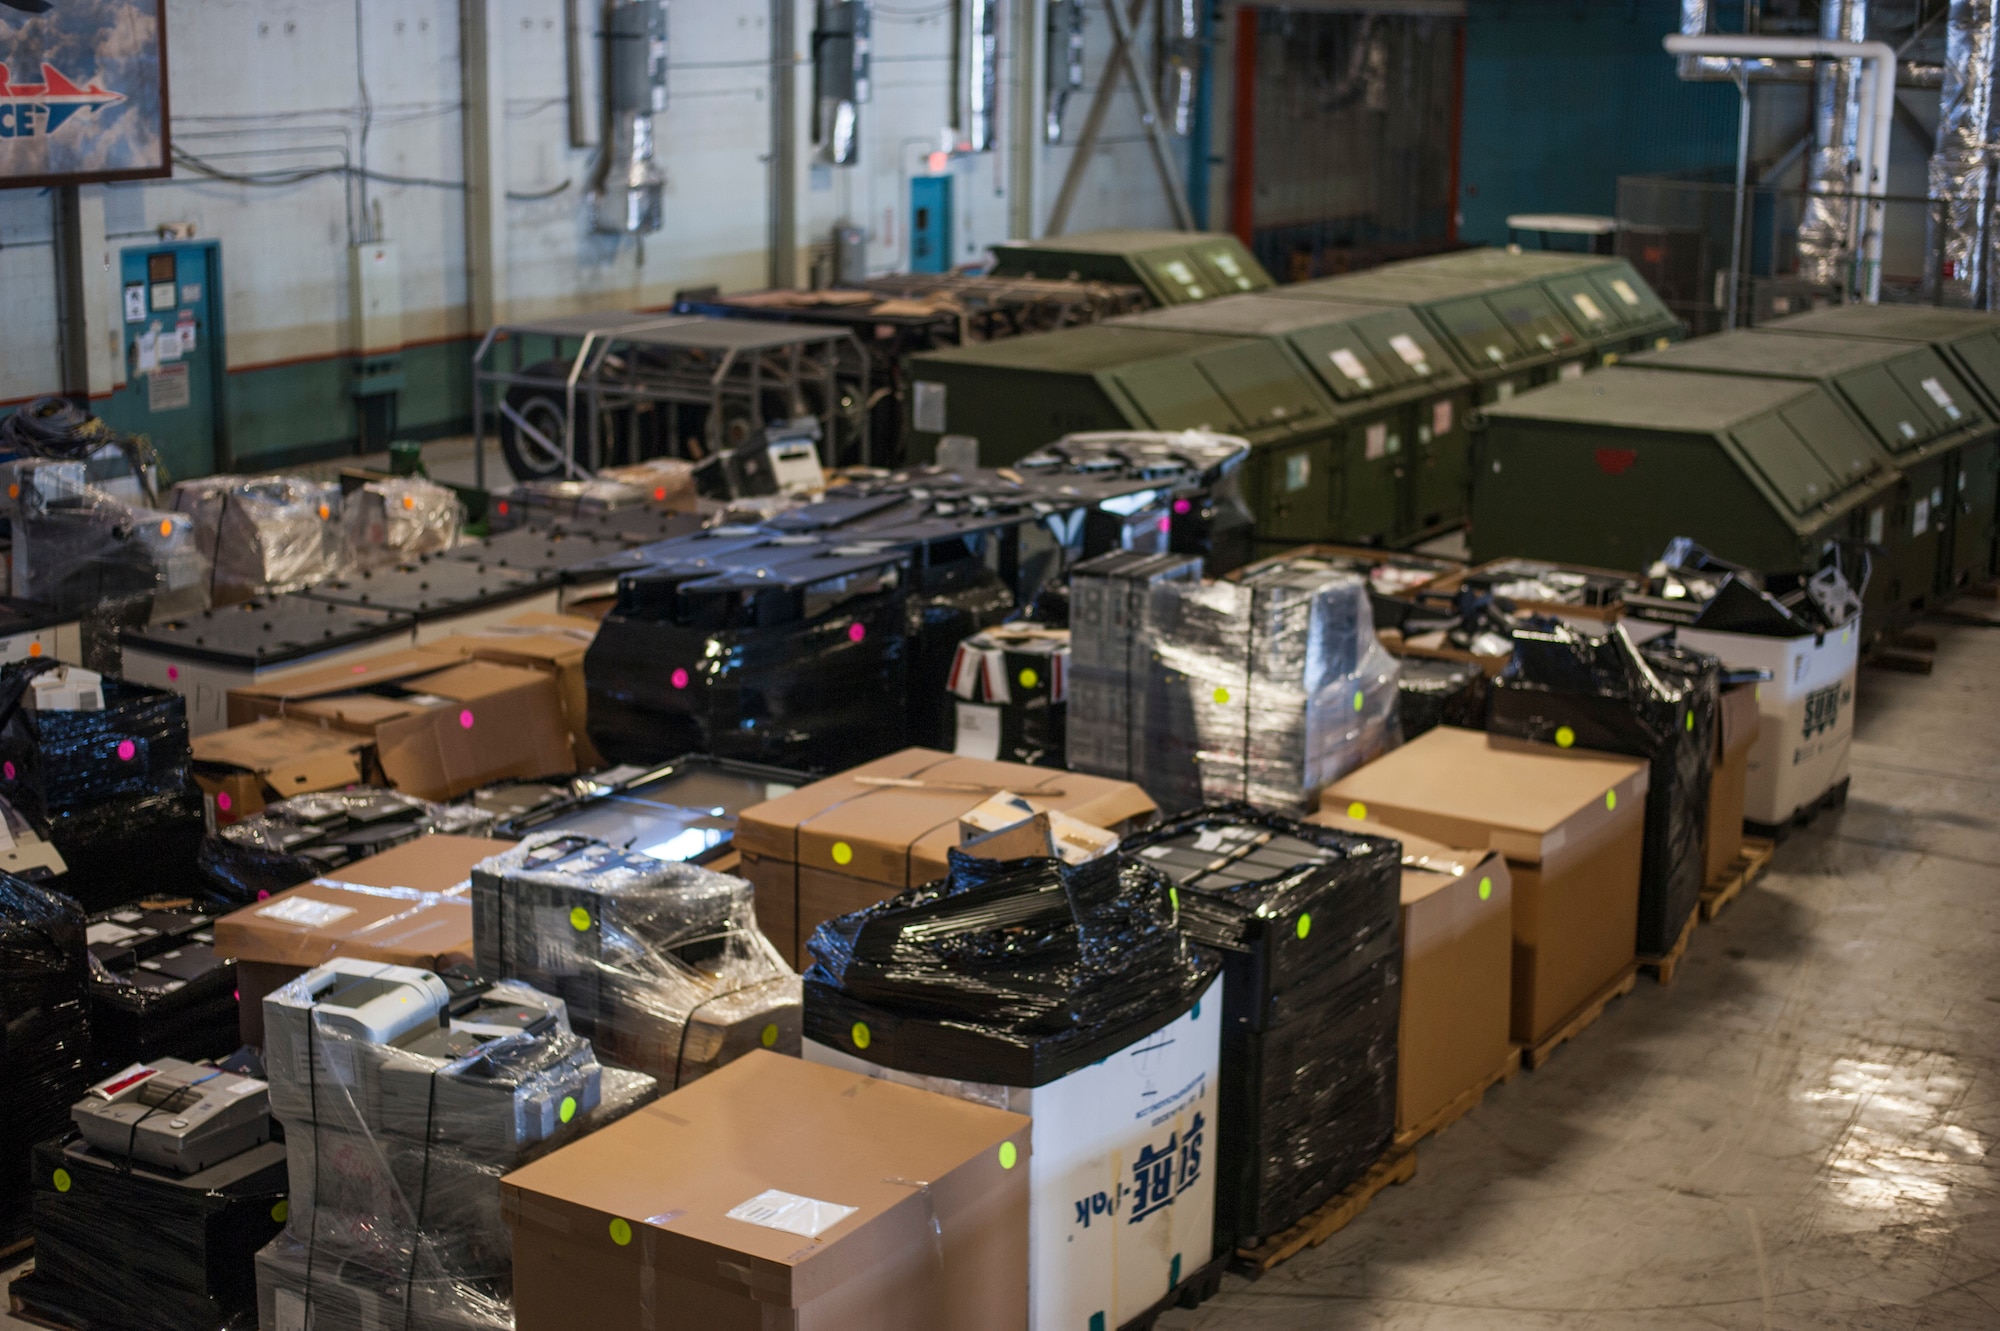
pixel 1458 942
pixel 441 725
pixel 539 641
pixel 410 906
pixel 242 769
pixel 725 1207
pixel 1737 724
pixel 861 837
pixel 1571 824
pixel 1122 1184
pixel 1805 713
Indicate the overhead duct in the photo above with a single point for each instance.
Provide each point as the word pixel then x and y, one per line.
pixel 1065 63
pixel 982 74
pixel 1827 230
pixel 1180 62
pixel 1961 170
pixel 630 188
pixel 842 43
pixel 1697 19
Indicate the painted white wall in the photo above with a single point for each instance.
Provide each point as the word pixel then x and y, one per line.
pixel 275 86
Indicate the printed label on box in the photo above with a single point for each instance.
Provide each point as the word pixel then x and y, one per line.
pixel 775 1209
pixel 305 911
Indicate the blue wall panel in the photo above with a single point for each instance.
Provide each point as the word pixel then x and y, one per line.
pixel 1562 97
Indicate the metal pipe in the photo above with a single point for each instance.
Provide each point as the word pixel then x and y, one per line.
pixel 1742 192
pixel 1695 18
pixel 1961 168
pixel 1826 231
pixel 1879 114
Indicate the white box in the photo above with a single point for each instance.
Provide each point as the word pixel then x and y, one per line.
pixel 1805 713
pixel 1100 1250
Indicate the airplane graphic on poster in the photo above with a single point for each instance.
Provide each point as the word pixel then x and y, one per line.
pixel 37 110
pixel 29 6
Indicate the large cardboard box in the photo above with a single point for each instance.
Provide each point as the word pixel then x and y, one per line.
pixel 539 641
pixel 1571 825
pixel 1805 713
pixel 860 837
pixel 1737 724
pixel 1458 959
pixel 1122 1184
pixel 242 769
pixel 779 1193
pixel 441 725
pixel 411 906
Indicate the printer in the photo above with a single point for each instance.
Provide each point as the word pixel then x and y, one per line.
pixel 173 1115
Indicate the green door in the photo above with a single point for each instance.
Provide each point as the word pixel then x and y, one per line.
pixel 1480 333
pixel 1261 386
pixel 1175 396
pixel 1295 489
pixel 1441 465
pixel 1978 492
pixel 1177 277
pixel 1377 457
pixel 1535 322
pixel 174 365
pixel 1783 458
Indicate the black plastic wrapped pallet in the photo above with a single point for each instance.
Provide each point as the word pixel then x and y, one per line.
pixel 952 602
pixel 44 1032
pixel 110 789
pixel 1011 687
pixel 1432 693
pixel 123 1247
pixel 1309 924
pixel 1568 688
pixel 1010 973
pixel 158 989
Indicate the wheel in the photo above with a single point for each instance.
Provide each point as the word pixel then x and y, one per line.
pixel 528 457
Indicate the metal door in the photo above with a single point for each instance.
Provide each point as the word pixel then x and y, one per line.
pixel 175 369
pixel 930 224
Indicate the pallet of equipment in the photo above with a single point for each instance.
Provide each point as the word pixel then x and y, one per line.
pixel 1192 1292
pixel 1538 1053
pixel 1664 966
pixel 1464 1104
pixel 1399 1165
pixel 1726 886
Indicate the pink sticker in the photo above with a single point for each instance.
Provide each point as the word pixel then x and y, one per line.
pixel 1183 506
pixel 855 633
pixel 679 679
pixel 361 670
pixel 8 770
pixel 223 802
pixel 465 719
pixel 126 748
pixel 263 894
pixel 173 672
pixel 1166 524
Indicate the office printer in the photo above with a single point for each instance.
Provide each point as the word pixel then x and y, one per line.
pixel 173 1115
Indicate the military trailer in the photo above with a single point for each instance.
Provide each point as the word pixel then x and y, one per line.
pixel 1175 267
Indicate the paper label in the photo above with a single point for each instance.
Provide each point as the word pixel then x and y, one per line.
pixel 1942 398
pixel 1298 472
pixel 135 304
pixel 305 911
pixel 106 932
pixel 1625 291
pixel 1573 370
pixel 791 1213
pixel 1441 418
pixel 146 344
pixel 1413 355
pixel 169 388
pixel 1378 441
pixel 1922 523
pixel 1588 307
pixel 927 406
pixel 1875 526
pixel 1350 365
pixel 1908 430
pixel 978 731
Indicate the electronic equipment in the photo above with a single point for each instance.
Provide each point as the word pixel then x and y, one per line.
pixel 174 1115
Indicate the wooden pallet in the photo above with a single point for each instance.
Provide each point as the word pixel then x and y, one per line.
pixel 1662 968
pixel 1398 1166
pixel 1538 1053
pixel 1464 1104
pixel 12 1250
pixel 1192 1292
pixel 1726 886
pixel 1911 653
pixel 1834 798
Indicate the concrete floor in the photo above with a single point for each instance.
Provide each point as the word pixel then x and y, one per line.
pixel 1795 1134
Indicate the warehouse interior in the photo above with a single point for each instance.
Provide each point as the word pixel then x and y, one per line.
pixel 1005 665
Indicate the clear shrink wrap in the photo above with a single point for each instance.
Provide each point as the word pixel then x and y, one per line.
pixel 264 534
pixel 44 1032
pixel 394 520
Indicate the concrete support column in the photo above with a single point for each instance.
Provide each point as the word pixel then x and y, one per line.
pixel 1028 97
pixel 485 166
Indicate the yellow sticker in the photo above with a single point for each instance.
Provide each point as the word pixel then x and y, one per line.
pixel 1486 889
pixel 1359 699
pixel 621 1231
pixel 1174 895
pixel 1690 721
pixel 1010 1155
pixel 61 1180
pixel 1564 737
pixel 282 1211
pixel 1222 697
pixel 861 1036
pixel 1358 811
pixel 579 919
pixel 1305 924
pixel 1610 799
pixel 567 1109
pixel 1029 678
pixel 843 853
pixel 770 1036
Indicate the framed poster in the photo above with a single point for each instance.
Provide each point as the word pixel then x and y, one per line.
pixel 83 91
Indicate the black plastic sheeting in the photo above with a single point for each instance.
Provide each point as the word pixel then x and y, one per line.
pixel 1309 924
pixel 1657 703
pixel 44 1032
pixel 1011 973
pixel 158 989
pixel 1432 693
pixel 110 789
pixel 123 1247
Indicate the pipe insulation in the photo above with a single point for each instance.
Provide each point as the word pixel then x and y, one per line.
pixel 1827 231
pixel 1961 169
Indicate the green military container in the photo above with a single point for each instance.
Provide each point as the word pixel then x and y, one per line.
pixel 1606 470
pixel 1513 321
pixel 1917 409
pixel 1393 466
pixel 1969 341
pixel 1175 267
